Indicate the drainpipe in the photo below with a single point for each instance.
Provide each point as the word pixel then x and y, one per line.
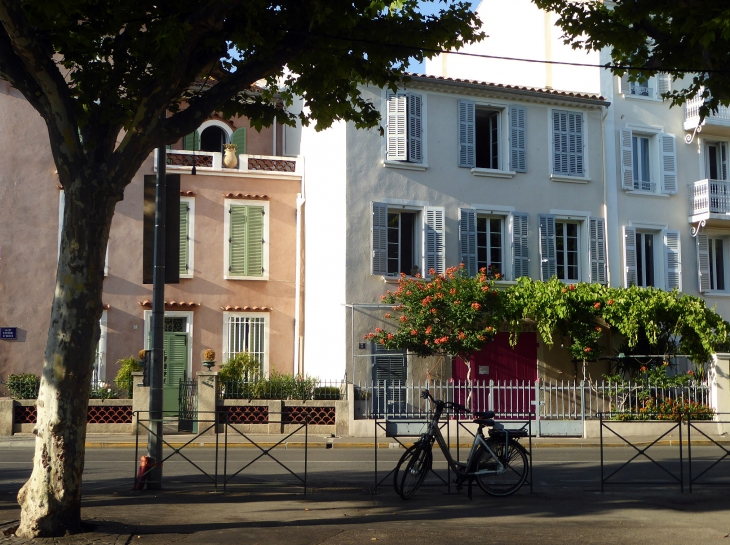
pixel 274 142
pixel 298 359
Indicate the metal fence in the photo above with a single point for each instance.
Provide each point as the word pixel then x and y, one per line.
pixel 566 400
pixel 284 387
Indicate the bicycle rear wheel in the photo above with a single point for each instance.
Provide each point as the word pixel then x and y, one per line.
pixel 502 482
pixel 411 470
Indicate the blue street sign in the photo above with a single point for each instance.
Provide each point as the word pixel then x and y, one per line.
pixel 9 333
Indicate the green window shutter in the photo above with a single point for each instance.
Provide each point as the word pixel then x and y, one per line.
pixel 184 237
pixel 176 351
pixel 192 141
pixel 246 242
pixel 237 240
pixel 239 138
pixel 255 239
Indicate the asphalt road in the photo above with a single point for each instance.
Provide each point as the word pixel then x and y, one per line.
pixel 265 504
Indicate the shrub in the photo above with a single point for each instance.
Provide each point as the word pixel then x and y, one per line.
pixel 123 380
pixel 327 392
pixel 243 366
pixel 23 386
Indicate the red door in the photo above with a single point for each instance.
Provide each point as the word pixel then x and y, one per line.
pixel 513 370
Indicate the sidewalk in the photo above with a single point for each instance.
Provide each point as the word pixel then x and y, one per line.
pixel 177 440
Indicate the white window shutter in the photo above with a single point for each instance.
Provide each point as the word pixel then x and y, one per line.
pixel 518 138
pixel 723 159
pixel 598 250
pixel 415 128
pixel 627 160
pixel 629 256
pixel 560 142
pixel 575 143
pixel 668 163
pixel 703 262
pixel 548 262
pixel 467 149
pixel 663 83
pixel 468 239
pixel 672 261
pixel 435 230
pixel 379 232
pixel 520 245
pixel 396 130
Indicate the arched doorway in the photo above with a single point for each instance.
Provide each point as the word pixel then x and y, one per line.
pixel 212 139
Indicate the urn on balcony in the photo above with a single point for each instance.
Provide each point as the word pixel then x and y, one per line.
pixel 230 159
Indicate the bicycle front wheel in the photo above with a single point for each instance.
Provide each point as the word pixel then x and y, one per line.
pixel 412 469
pixel 505 478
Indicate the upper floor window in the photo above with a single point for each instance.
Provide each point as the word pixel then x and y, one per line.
pixel 212 135
pixel 481 142
pixel 187 227
pixel 648 161
pixel 404 127
pixel 716 161
pixel 650 88
pixel 712 256
pixel 652 258
pixel 568 141
pixel 491 239
pixel 246 240
pixel 407 239
pixel 574 250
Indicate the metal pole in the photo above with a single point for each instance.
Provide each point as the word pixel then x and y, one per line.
pixel 154 442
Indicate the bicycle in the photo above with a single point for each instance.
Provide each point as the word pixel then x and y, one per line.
pixel 498 464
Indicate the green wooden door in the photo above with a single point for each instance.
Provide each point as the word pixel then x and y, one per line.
pixel 176 367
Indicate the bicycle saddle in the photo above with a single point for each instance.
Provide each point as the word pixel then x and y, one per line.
pixel 485 414
pixel 484 421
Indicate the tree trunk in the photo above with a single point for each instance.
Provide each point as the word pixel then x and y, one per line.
pixel 51 499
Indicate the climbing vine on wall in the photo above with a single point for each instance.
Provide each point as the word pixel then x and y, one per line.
pixel 457 314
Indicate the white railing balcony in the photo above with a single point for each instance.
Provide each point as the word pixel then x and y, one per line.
pixel 710 197
pixel 721 118
pixel 211 162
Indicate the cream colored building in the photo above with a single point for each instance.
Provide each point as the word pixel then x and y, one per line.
pixel 466 171
pixel 240 266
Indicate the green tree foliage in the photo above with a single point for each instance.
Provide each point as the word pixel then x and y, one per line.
pixel 683 38
pixel 428 320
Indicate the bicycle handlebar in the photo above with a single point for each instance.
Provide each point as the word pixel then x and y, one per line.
pixel 425 394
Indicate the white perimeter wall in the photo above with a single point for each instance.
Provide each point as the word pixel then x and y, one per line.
pixel 325 331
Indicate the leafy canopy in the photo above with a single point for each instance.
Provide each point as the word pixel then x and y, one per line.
pixel 455 314
pixel 116 67
pixel 684 38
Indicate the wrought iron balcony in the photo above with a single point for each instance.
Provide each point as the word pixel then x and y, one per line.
pixel 716 124
pixel 710 199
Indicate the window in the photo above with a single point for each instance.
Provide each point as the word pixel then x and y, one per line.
pixel 483 242
pixel 187 226
pixel 246 247
pixel 480 137
pixel 567 250
pixel 212 135
pixel 246 332
pixel 644 259
pixel 648 161
pixel 404 130
pixel 651 88
pixel 652 257
pixel 716 161
pixel 712 253
pixel 568 143
pixel 564 252
pixel 407 239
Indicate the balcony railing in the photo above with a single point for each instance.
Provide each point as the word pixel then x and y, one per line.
pixel 211 161
pixel 692 112
pixel 710 197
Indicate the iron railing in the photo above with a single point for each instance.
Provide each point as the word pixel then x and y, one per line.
pixel 283 388
pixel 710 197
pixel 26 387
pixel 565 400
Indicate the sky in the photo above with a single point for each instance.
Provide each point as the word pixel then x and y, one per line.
pixel 429 8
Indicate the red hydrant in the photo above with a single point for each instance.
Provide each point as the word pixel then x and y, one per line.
pixel 145 465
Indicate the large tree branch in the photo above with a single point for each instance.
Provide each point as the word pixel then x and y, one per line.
pixel 57 108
